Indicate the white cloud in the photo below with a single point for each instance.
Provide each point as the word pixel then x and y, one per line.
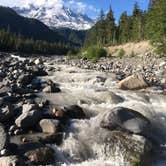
pixel 48 3
pixel 23 3
pixel 81 7
pixel 76 5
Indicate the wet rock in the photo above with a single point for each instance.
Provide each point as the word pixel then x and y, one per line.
pixel 28 107
pixel 38 61
pixel 3 91
pixel 4 152
pixel 11 161
pixel 21 91
pixel 6 113
pixel 49 125
pixel 51 89
pixel 10 99
pixel 39 71
pixel 44 138
pixel 59 113
pixel 43 155
pixel 74 112
pixel 28 119
pixel 36 84
pixel 124 119
pixel 108 96
pixel 3 137
pixel 25 79
pixel 136 150
pixel 133 82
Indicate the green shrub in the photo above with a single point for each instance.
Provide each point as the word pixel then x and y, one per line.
pixel 121 52
pixel 94 53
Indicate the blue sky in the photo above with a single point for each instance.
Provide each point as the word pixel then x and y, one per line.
pixel 90 7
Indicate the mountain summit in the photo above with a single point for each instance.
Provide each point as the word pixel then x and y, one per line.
pixel 56 17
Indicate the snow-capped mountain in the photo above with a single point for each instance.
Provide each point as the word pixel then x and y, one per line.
pixel 56 17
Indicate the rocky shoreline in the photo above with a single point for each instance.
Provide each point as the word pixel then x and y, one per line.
pixel 151 68
pixel 28 122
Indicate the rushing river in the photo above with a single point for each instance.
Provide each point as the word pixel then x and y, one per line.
pixel 92 90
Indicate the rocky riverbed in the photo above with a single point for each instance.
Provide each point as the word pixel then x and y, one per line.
pixel 56 111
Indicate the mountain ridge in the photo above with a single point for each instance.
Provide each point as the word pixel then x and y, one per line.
pixel 26 27
pixel 53 17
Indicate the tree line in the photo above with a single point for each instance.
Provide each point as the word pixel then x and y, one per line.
pixel 141 25
pixel 12 42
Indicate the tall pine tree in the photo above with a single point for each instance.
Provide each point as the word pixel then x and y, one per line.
pixel 124 28
pixel 110 28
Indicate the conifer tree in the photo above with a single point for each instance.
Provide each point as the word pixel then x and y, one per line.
pixel 110 27
pixel 136 23
pixel 101 29
pixel 124 28
pixel 156 24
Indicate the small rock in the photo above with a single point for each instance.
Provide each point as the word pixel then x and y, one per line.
pixel 25 79
pixel 38 61
pixel 74 112
pixel 49 126
pixel 11 161
pixel 43 155
pixel 4 152
pixel 6 113
pixel 51 88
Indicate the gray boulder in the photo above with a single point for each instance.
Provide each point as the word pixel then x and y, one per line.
pixel 133 82
pixel 125 119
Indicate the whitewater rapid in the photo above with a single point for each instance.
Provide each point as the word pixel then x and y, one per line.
pixel 92 90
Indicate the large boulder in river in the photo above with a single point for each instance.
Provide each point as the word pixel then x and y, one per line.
pixel 133 82
pixel 3 137
pixel 125 119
